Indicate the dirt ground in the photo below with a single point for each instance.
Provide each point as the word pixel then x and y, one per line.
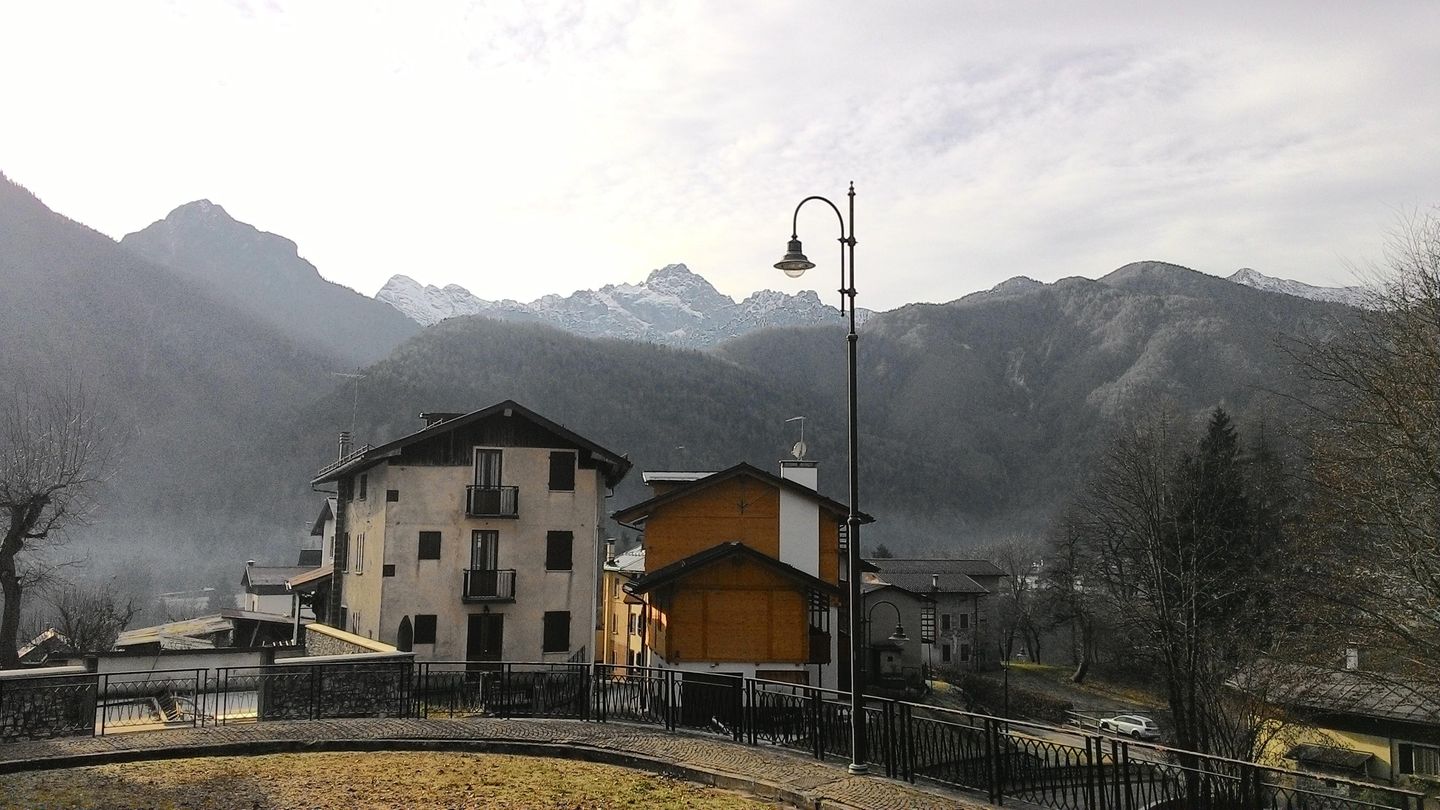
pixel 360 781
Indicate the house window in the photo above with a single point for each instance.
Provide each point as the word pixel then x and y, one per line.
pixel 387 570
pixel 355 622
pixel 392 496
pixel 562 471
pixel 557 631
pixel 360 553
pixel 964 621
pixel 945 621
pixel 927 625
pixel 345 552
pixel 429 545
pixel 964 652
pixel 944 653
pixel 630 625
pixel 1421 760
pixel 364 482
pixel 425 629
pixel 558 551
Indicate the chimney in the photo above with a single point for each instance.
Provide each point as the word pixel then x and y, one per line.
pixel 436 417
pixel 1352 658
pixel 344 443
pixel 801 471
pixel 610 551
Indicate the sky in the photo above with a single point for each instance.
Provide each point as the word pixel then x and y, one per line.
pixel 529 147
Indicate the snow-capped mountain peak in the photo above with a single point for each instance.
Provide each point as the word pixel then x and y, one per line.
pixel 673 305
pixel 1350 296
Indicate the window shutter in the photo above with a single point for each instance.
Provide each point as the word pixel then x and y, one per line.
pixel 429 545
pixel 559 551
pixel 557 631
pixel 425 629
pixel 562 471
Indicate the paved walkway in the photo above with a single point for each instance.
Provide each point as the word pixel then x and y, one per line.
pixel 764 771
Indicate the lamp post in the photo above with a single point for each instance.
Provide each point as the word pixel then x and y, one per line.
pixel 795 264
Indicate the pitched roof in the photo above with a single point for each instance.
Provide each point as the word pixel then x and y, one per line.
pixel 615 465
pixel 954 576
pixel 631 515
pixel 1344 691
pixel 309 579
pixel 684 567
pixel 271 576
pixel 871 583
pixel 327 513
pixel 938 565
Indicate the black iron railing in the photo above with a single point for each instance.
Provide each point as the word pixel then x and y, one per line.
pixel 501 502
pixel 488 585
pixel 1048 766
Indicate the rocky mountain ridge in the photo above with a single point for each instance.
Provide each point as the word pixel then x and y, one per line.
pixel 673 306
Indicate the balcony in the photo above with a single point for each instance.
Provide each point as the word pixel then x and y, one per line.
pixel 489 585
pixel 492 502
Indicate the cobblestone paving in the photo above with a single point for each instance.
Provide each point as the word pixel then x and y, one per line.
pixel 826 782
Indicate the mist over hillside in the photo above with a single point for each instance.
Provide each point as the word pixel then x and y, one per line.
pixel 978 417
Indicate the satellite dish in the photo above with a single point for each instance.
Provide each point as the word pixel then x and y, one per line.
pixel 798 451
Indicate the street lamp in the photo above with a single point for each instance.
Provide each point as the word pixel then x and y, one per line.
pixel 795 264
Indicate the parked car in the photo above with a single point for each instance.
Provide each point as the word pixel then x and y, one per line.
pixel 1131 725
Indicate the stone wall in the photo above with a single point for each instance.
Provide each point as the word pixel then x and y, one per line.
pixel 321 639
pixel 360 689
pixel 46 707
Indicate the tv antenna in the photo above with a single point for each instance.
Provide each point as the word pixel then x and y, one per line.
pixel 355 396
pixel 798 451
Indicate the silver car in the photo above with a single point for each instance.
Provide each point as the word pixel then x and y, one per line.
pixel 1131 725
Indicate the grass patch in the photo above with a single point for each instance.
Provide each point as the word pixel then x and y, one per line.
pixel 361 781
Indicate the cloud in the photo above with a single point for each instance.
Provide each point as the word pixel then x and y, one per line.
pixel 520 148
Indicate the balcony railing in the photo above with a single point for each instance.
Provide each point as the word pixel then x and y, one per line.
pixel 502 502
pixel 489 585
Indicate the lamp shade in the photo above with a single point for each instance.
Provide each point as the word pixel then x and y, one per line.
pixel 794 264
pixel 899 634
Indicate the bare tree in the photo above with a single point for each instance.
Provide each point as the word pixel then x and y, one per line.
pixel 1165 535
pixel 1017 609
pixel 89 616
pixel 53 452
pixel 1375 461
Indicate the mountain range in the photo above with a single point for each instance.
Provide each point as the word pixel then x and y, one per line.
pixel 672 306
pixel 978 417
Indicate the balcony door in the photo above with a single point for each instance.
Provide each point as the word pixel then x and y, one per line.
pixel 484 550
pixel 486 496
pixel 485 639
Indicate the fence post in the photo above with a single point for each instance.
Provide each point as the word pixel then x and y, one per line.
pixel 907 754
pixel 196 716
pixel 993 761
pixel 670 700
pixel 887 716
pixel 1129 797
pixel 1098 764
pixel 750 710
pixel 1091 743
pixel 102 686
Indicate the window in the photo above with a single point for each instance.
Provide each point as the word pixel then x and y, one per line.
pixel 360 553
pixel 557 631
pixel 964 621
pixel 425 629
pixel 364 482
pixel 944 653
pixel 964 652
pixel 558 551
pixel 355 622
pixel 945 621
pixel 392 496
pixel 345 552
pixel 927 625
pixel 562 471
pixel 630 625
pixel 484 550
pixel 429 545
pixel 1419 759
pixel 387 570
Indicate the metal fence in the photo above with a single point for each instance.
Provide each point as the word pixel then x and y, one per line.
pixel 1050 766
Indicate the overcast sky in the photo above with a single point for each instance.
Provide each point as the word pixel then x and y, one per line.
pixel 523 148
